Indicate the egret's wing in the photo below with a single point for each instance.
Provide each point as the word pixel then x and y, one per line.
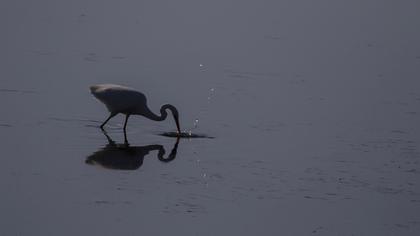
pixel 118 98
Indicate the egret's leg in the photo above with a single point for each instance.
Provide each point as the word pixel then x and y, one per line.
pixel 110 141
pixel 125 126
pixel 110 116
pixel 125 123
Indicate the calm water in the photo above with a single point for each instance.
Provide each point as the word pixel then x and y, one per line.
pixel 313 105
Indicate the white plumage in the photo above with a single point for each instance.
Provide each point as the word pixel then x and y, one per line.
pixel 128 101
pixel 120 99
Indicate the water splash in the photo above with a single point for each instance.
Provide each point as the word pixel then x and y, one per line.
pixel 204 109
pixel 195 123
pixel 211 94
pixel 188 135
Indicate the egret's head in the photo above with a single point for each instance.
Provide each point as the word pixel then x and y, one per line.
pixel 175 114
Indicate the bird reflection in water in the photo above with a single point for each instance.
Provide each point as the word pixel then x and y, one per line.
pixel 126 157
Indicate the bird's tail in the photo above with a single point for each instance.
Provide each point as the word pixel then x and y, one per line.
pixel 94 88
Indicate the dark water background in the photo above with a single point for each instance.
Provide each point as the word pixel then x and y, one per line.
pixel 314 106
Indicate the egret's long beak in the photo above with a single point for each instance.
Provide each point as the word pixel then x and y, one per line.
pixel 177 126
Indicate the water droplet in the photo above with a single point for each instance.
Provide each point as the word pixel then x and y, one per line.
pixel 195 123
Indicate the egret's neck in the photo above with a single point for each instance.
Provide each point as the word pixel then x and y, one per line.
pixel 164 114
pixel 149 114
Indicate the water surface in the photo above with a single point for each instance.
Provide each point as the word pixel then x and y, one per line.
pixel 314 106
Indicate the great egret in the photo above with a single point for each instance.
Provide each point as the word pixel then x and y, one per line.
pixel 120 99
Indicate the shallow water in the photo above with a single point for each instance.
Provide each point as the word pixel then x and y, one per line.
pixel 314 106
pixel 187 135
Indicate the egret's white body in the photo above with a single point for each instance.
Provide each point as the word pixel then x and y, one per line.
pixel 125 100
pixel 120 99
